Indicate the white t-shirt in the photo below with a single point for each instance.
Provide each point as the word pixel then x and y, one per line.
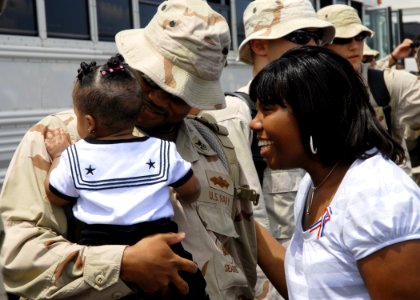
pixel 376 205
pixel 120 182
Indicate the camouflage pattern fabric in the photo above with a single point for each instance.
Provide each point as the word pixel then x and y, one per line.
pixel 39 262
pixel 404 89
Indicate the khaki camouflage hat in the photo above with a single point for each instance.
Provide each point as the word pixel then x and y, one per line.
pixel 345 20
pixel 369 51
pixel 274 19
pixel 183 50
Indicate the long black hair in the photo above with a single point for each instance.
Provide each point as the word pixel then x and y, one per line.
pixel 330 102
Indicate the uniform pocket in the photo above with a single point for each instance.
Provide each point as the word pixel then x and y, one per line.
pixel 280 181
pixel 216 219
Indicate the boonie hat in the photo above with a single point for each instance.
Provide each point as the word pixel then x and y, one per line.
pixel 273 19
pixel 345 20
pixel 369 51
pixel 183 49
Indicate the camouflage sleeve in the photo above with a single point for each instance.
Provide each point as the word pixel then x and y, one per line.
pixel 383 63
pixel 404 89
pixel 39 263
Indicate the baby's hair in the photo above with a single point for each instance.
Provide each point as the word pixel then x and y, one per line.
pixel 110 93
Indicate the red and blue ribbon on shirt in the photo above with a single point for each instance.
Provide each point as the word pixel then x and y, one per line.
pixel 320 224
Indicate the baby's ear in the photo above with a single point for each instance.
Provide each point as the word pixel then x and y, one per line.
pixel 91 122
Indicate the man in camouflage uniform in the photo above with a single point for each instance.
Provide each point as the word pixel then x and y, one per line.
pixel 180 56
pixel 2 291
pixel 403 87
pixel 267 23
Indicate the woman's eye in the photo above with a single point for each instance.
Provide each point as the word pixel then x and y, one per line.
pixel 267 108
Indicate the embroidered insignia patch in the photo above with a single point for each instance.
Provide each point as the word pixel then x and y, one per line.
pixel 220 181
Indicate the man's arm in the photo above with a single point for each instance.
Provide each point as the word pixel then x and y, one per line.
pixel 39 262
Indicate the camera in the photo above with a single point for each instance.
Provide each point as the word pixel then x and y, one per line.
pixel 415 44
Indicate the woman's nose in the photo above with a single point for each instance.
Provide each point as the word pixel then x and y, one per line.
pixel 256 123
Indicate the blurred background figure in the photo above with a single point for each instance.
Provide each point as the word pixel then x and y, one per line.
pixel 396 58
pixel 394 94
pixel 417 58
pixel 369 56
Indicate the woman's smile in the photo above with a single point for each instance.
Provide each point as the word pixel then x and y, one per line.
pixel 265 147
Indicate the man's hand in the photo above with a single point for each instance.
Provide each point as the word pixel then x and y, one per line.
pixel 403 50
pixel 152 265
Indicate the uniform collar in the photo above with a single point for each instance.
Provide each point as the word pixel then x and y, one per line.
pixel 191 144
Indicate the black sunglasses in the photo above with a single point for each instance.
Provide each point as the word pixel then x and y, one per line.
pixel 360 37
pixel 302 37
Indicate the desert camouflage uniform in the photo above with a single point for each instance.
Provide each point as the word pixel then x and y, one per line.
pixel 225 247
pixel 279 186
pixel 404 90
pixel 41 264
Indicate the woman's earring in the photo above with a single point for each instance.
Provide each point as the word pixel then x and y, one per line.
pixel 311 145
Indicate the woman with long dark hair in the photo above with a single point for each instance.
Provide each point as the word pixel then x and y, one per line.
pixel 357 213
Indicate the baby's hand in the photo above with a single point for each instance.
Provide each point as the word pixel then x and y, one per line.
pixel 56 141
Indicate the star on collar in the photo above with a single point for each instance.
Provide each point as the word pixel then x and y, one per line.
pixel 151 164
pixel 89 170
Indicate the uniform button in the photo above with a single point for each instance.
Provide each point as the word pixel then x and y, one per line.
pixel 100 280
pixel 116 295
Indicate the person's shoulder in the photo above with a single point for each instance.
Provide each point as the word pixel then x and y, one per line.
pixel 237 101
pixel 393 76
pixel 63 119
pixel 376 187
pixel 236 104
pixel 376 173
pixel 373 163
pixel 235 108
pixel 402 86
pixel 63 116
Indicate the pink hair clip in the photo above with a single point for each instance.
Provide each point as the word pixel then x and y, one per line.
pixel 111 70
